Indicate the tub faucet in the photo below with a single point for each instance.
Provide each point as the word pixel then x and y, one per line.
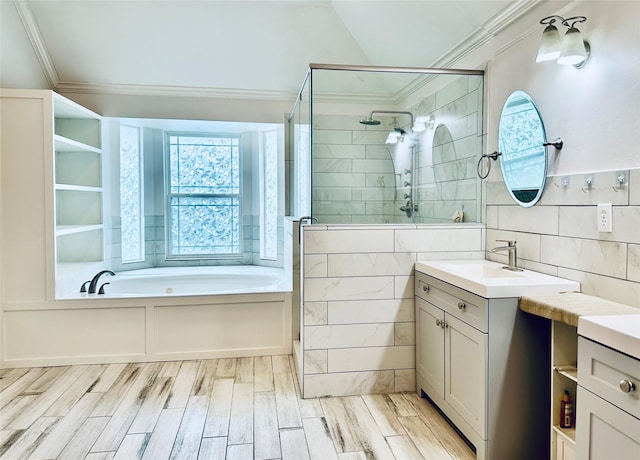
pixel 94 281
pixel 513 254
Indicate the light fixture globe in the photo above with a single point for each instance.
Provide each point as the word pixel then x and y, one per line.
pixel 574 50
pixel 549 49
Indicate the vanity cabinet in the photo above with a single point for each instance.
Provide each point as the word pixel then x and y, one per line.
pixel 485 364
pixel 608 424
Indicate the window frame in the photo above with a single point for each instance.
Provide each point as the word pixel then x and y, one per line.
pixel 168 195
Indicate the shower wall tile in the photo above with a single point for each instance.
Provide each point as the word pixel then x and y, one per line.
pixel 403 287
pixel 333 193
pixel 348 383
pixel 370 264
pixel 633 261
pixel 437 238
pixel 315 313
pixel 332 137
pixel 315 361
pixel 338 180
pixel 315 266
pixel 601 257
pixel 371 359
pixel 348 241
pixel 337 121
pixel 340 151
pixel 348 336
pixel 371 311
pixel 538 219
pixel 357 288
pixel 373 166
pixel 451 92
pixel 634 187
pixel 369 137
pixel 405 380
pixel 333 165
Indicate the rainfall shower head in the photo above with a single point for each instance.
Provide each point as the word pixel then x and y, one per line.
pixel 370 122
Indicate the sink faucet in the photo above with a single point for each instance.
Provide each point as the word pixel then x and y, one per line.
pixel 513 254
pixel 94 281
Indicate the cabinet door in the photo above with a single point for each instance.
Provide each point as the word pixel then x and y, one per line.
pixel 430 345
pixel 604 431
pixel 465 379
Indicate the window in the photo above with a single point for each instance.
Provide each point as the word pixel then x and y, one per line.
pixel 269 196
pixel 203 202
pixel 131 187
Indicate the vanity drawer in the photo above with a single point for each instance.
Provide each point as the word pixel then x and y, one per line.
pixel 609 374
pixel 468 307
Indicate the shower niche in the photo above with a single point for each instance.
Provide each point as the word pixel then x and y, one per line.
pixel 379 145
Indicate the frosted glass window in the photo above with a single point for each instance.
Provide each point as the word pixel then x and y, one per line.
pixel 269 196
pixel 204 196
pixel 131 189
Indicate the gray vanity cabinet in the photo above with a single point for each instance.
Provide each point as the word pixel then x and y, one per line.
pixel 485 364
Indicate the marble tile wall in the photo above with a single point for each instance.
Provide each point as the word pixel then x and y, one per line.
pixel 559 235
pixel 358 321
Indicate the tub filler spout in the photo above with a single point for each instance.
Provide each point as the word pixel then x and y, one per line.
pixel 94 282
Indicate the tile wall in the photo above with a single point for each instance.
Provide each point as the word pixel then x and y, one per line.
pixel 357 326
pixel 559 234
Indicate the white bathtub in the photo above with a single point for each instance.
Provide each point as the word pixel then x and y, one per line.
pixel 192 281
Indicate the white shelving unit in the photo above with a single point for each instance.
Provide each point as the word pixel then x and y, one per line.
pixel 564 376
pixel 78 168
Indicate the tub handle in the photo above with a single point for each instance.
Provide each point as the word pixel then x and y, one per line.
pixel 101 290
pixel 83 288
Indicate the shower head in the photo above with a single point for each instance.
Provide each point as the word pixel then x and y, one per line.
pixel 370 121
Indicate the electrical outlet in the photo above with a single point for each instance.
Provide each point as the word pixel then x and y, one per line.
pixel 605 223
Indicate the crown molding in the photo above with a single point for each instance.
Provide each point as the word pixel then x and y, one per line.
pixel 175 91
pixel 39 47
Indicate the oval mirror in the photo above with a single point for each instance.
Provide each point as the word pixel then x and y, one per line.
pixel 521 139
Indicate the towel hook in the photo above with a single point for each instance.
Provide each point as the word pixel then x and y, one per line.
pixel 620 179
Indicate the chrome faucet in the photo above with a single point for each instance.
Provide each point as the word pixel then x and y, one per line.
pixel 513 254
pixel 94 282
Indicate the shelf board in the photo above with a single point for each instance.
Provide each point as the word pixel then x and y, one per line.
pixel 569 371
pixel 74 229
pixel 568 433
pixel 78 188
pixel 64 144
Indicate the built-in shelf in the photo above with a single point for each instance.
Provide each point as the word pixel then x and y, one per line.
pixel 64 144
pixel 569 371
pixel 73 229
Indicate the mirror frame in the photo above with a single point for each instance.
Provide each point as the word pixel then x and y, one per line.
pixel 504 132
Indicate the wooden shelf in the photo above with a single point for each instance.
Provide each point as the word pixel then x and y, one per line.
pixel 569 371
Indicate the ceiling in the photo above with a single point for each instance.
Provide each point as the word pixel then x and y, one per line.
pixel 241 47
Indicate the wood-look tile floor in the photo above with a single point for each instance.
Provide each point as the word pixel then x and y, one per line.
pixel 238 408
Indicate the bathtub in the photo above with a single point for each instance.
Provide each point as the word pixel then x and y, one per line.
pixel 158 314
pixel 194 281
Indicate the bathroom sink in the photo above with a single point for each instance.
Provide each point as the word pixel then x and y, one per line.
pixel 490 280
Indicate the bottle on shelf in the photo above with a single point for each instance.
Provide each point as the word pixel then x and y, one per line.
pixel 566 411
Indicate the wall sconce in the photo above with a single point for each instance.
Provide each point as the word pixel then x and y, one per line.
pixel 573 50
pixel 422 122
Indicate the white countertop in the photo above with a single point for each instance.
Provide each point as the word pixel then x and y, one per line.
pixel 620 332
pixel 489 280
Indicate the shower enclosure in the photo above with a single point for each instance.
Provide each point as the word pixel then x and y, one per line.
pixel 376 145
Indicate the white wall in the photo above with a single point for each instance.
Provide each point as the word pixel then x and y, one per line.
pixel 596 112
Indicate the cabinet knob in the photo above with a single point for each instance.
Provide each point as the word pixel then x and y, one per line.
pixel 462 305
pixel 438 323
pixel 425 288
pixel 627 386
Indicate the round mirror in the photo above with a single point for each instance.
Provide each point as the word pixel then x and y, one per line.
pixel 521 139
